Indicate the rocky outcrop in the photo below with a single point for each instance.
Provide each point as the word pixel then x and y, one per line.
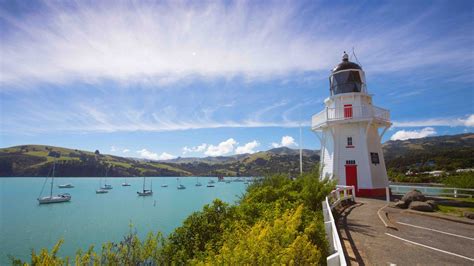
pixel 421 206
pixel 413 195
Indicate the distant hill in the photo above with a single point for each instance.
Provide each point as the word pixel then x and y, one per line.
pixel 448 152
pixel 36 160
pixel 441 152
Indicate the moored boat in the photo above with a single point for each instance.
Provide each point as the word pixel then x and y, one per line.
pixel 146 192
pixel 65 186
pixel 65 197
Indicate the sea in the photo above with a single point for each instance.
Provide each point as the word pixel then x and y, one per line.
pixel 93 219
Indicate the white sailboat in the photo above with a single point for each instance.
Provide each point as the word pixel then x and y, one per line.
pixel 180 186
pixel 100 190
pixel 69 185
pixel 198 184
pixel 125 184
pixel 106 186
pixel 53 199
pixel 146 192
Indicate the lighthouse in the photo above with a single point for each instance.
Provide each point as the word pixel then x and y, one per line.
pixel 350 129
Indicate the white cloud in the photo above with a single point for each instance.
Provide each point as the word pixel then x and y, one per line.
pixel 222 148
pixel 199 148
pixel 118 149
pixel 247 148
pixel 414 134
pixel 446 122
pixel 144 153
pixel 166 156
pixel 469 122
pixel 286 141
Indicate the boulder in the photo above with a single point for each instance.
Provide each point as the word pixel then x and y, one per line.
pixel 413 195
pixel 421 206
pixel 469 214
pixel 433 204
pixel 400 204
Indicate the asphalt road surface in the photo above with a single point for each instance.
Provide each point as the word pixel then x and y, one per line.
pixel 409 239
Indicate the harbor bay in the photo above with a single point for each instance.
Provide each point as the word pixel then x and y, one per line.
pixel 93 219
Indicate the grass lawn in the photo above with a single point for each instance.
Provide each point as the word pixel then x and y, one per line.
pixel 456 211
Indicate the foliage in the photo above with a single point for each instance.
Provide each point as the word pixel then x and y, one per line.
pixel 277 221
pixel 460 180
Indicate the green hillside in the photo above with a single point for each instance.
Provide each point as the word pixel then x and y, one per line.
pixel 432 153
pixel 36 160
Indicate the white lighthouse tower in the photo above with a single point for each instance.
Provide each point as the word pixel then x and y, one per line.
pixel 351 129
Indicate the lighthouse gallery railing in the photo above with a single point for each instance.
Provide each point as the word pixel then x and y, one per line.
pixel 350 112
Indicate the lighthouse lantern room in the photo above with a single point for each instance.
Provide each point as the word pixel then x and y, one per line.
pixel 350 129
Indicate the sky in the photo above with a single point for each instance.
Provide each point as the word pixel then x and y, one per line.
pixel 162 79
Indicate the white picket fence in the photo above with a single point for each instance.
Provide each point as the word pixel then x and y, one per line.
pixel 336 196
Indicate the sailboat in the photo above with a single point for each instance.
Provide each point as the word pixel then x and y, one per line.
pixel 198 184
pixel 180 186
pixel 53 199
pixel 125 184
pixel 69 185
pixel 106 186
pixel 146 192
pixel 101 190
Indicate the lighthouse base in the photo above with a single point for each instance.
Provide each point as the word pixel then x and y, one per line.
pixel 370 192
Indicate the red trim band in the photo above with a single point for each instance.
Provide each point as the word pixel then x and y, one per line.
pixel 370 192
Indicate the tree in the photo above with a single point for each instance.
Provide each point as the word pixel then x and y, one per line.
pixel 97 152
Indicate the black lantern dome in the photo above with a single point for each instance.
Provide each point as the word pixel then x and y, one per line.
pixel 347 77
pixel 346 64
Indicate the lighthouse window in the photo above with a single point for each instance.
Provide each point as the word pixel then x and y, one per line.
pixel 350 162
pixel 345 82
pixel 349 142
pixel 374 158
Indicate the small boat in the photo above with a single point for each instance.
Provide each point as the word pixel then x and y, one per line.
pixel 106 186
pixel 180 186
pixel 227 181
pixel 220 178
pixel 210 185
pixel 66 186
pixel 146 192
pixel 198 184
pixel 212 181
pixel 164 185
pixel 53 199
pixel 125 184
pixel 101 191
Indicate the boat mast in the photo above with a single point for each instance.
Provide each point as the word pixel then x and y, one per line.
pixel 143 184
pixel 52 179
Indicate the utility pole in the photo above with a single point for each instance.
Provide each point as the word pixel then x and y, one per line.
pixel 301 151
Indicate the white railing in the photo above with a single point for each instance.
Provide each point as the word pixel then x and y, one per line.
pixel 353 112
pixel 433 191
pixel 336 196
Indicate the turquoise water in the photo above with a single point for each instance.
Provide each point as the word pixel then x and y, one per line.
pixel 92 218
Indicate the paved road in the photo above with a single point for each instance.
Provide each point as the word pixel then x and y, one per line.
pixel 411 239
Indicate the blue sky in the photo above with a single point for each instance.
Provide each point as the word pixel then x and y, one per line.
pixel 166 79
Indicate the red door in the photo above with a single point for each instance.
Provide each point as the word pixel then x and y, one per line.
pixel 351 175
pixel 347 110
